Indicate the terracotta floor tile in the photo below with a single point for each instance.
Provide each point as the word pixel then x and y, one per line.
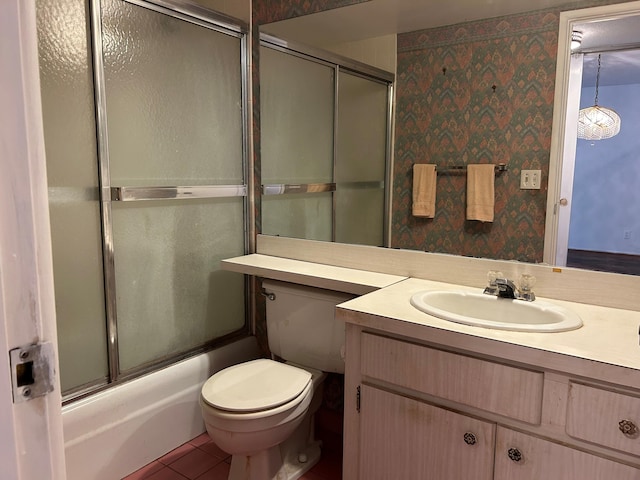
pixel 212 449
pixel 195 463
pixel 166 474
pixel 328 468
pixel 146 471
pixel 176 454
pixel 311 476
pixel 219 472
pixel 200 439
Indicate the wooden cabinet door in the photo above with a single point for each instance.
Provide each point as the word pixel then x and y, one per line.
pixel 523 457
pixel 402 438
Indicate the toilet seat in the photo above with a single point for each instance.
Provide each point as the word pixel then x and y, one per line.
pixel 255 386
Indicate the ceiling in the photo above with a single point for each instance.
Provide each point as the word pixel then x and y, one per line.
pixel 619 43
pixel 383 17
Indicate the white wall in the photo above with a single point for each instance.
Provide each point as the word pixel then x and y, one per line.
pixel 380 52
pixel 606 191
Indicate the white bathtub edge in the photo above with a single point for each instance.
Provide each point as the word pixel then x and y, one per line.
pixel 113 433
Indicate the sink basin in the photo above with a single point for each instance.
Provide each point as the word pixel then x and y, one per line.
pixel 498 313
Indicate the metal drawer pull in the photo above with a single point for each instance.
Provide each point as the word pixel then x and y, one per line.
pixel 628 428
pixel 470 438
pixel 515 454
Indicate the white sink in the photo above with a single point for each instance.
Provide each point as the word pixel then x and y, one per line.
pixel 498 313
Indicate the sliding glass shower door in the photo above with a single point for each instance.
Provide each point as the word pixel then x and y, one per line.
pixel 174 117
pixel 170 89
pixel 297 109
pixel 325 134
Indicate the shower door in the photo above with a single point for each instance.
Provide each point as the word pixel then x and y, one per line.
pixel 325 136
pixel 362 141
pixel 170 95
pixel 174 147
pixel 297 110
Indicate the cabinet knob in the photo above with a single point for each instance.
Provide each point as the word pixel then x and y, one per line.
pixel 470 438
pixel 628 428
pixel 515 454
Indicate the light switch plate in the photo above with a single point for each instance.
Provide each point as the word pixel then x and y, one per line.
pixel 530 179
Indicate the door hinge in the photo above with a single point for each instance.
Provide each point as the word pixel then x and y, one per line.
pixel 32 371
pixel 358 398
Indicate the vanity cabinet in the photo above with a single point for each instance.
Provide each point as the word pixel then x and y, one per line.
pixel 405 438
pixel 422 411
pixel 525 457
pixel 604 417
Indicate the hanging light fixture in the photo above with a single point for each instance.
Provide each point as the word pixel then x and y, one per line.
pixel 576 39
pixel 596 122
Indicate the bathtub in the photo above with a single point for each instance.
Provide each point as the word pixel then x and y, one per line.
pixel 115 432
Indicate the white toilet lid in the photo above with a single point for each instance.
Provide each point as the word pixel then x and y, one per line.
pixel 256 385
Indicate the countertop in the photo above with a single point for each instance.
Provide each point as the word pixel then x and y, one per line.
pixel 606 347
pixel 349 280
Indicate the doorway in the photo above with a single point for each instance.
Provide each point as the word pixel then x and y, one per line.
pixel 593 184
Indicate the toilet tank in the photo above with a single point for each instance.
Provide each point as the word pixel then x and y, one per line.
pixel 301 325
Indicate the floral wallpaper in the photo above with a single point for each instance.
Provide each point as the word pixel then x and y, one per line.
pixel 478 92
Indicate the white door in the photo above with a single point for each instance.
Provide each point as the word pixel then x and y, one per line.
pixel 563 204
pixel 31 441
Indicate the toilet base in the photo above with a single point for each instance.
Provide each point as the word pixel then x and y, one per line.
pixel 270 464
pixel 292 458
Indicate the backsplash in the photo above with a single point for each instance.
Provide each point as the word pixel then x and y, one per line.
pixel 478 92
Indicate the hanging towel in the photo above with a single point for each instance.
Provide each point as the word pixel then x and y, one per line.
pixel 424 190
pixel 480 192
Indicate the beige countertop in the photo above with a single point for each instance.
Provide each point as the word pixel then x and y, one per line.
pixel 319 275
pixel 605 348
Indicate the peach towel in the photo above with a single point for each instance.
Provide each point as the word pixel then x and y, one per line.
pixel 480 192
pixel 424 190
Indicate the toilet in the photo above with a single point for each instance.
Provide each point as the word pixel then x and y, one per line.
pixel 261 411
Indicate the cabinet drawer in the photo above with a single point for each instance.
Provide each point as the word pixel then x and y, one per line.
pixel 595 415
pixel 524 457
pixel 501 389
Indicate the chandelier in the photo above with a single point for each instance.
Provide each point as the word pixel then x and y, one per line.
pixel 596 122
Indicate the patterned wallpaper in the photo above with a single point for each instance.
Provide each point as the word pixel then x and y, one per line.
pixel 478 92
pixel 267 11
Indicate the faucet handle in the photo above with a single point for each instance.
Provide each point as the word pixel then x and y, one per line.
pixel 527 282
pixel 492 286
pixel 492 276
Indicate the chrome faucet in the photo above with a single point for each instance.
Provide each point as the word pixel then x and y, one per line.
pixel 502 287
pixel 506 288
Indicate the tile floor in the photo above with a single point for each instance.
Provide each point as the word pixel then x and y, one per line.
pixel 201 459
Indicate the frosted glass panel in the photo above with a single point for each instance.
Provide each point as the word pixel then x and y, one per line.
pixel 69 129
pixel 173 100
pixel 298 216
pixel 361 158
pixel 296 119
pixel 362 132
pixel 360 216
pixel 171 293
